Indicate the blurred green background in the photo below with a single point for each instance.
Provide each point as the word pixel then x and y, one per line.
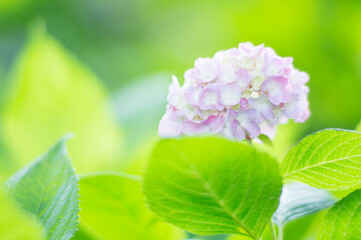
pixel 101 69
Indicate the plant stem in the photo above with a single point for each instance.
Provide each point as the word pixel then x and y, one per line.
pixel 280 233
pixel 273 230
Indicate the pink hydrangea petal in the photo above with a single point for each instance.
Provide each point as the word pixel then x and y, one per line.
pixel 175 85
pixel 263 107
pixel 277 89
pixel 191 95
pixel 232 130
pixel 267 130
pixel 247 115
pixel 228 73
pixel 238 132
pixel 170 125
pixel 205 69
pixel 209 98
pixel 243 103
pixel 237 93
pixel 249 49
pixel 252 128
pixel 277 65
pixel 243 78
pixel 215 123
pixel 230 94
pixel 287 93
pixel 174 88
pixel 190 128
pixel 189 76
pixel 297 109
pixel 301 77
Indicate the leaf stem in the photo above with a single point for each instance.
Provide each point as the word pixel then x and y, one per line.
pixel 280 232
pixel 273 230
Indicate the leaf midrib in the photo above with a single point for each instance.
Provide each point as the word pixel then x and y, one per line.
pixel 214 195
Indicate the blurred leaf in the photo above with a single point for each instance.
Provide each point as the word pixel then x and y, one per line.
pixel 305 228
pixel 299 200
pixel 327 159
pixel 359 127
pixel 212 186
pixel 113 207
pixel 238 237
pixel 266 140
pixel 209 237
pixel 145 97
pixel 15 224
pixel 343 220
pixel 53 93
pixel 48 189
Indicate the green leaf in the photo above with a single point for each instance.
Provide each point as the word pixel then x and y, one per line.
pixel 113 207
pixel 299 200
pixel 52 93
pixel 213 186
pixel 48 189
pixel 15 224
pixel 329 159
pixel 342 221
pixel 266 140
pixel 358 128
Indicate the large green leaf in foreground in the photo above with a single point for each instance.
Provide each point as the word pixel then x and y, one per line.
pixel 329 159
pixel 48 189
pixel 343 221
pixel 212 186
pixel 113 208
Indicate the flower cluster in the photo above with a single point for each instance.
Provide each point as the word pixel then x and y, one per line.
pixel 239 93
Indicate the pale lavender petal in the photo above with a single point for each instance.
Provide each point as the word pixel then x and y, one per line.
pixel 243 103
pixel 189 76
pixel 209 98
pixel 249 49
pixel 237 93
pixel 232 130
pixel 243 78
pixel 215 123
pixel 252 128
pixel 263 107
pixel 297 109
pixel 277 90
pixel 170 125
pixel 191 95
pixel 247 115
pixel 228 73
pixel 206 69
pixel 190 128
pixel 277 65
pixel 230 94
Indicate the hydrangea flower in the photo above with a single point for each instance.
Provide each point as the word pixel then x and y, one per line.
pixel 239 93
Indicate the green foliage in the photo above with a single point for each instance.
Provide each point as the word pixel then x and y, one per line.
pixel 342 222
pixel 52 93
pixel 14 224
pixel 212 186
pixel 266 140
pixel 299 200
pixel 358 128
pixel 48 189
pixel 328 159
pixel 113 208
